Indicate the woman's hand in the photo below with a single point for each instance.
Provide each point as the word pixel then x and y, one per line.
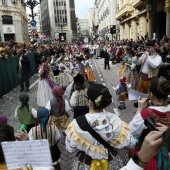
pixel 161 127
pixel 22 136
pixel 142 103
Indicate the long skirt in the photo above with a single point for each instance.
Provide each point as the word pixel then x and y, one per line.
pixel 80 110
pixel 44 93
pixel 61 122
pixel 115 164
pixel 64 79
pixel 90 74
pixel 133 79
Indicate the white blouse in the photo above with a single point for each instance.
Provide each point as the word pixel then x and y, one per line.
pixel 110 127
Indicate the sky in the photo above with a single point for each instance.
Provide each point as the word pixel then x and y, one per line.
pixel 82 7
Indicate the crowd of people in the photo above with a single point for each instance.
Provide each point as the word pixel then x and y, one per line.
pixel 67 86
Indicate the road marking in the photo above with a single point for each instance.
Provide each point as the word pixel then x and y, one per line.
pixel 100 75
pixel 33 84
pixel 101 79
pixel 104 84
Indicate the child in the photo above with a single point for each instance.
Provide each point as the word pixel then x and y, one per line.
pixel 26 114
pixel 121 92
pixel 58 108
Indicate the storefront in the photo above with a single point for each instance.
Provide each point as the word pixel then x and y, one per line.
pixel 9 32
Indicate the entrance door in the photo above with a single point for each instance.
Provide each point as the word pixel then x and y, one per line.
pixel 8 37
pixel 161 24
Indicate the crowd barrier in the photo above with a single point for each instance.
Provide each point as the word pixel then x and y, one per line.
pixel 9 77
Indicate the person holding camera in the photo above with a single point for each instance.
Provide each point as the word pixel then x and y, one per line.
pixel 152 110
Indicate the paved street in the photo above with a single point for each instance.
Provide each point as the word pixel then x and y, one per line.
pixel 10 101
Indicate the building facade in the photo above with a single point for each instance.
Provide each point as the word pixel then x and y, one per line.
pixel 82 28
pixel 13 21
pixel 104 16
pixel 60 19
pixel 137 17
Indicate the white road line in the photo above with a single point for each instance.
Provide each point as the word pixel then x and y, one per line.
pixel 100 75
pixel 101 79
pixel 33 84
pixel 104 84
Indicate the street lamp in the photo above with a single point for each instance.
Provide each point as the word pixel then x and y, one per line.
pixel 31 4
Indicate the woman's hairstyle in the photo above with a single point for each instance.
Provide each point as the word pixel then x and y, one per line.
pixel 6 134
pixel 99 95
pixel 24 98
pixel 79 59
pixel 43 116
pixel 160 88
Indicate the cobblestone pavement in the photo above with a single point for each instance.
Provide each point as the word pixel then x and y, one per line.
pixel 109 78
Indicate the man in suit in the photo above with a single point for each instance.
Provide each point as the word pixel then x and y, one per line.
pixel 24 70
pixel 106 56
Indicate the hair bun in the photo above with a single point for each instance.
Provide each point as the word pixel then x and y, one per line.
pixel 164 87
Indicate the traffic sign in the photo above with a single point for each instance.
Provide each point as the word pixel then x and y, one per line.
pixel 33 23
pixel 34 32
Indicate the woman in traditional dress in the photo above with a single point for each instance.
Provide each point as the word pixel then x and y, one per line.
pixel 79 66
pixel 114 133
pixel 49 132
pixel 159 110
pixel 45 85
pixel 59 108
pixel 64 78
pixel 77 100
pixel 130 70
pixel 89 71
pixel 26 114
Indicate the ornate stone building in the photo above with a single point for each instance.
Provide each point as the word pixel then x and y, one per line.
pixel 137 17
pixel 13 21
pixel 58 18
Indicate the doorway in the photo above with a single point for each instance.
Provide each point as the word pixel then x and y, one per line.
pixel 161 24
pixel 8 37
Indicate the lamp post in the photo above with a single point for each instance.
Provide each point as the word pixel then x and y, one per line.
pixel 32 4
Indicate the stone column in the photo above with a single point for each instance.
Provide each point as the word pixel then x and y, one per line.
pixel 135 31
pixel 167 10
pixel 150 25
pixel 127 29
pixel 144 26
pixel 121 32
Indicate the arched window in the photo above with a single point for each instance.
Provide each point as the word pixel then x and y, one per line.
pixel 6 19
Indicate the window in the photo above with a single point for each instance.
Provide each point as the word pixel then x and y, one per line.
pixel 61 3
pixel 6 19
pixel 64 3
pixel 4 2
pixel 57 3
pixel 65 11
pixel 62 11
pixel 54 3
pixel 55 11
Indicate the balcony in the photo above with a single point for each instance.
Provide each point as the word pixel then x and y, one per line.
pixel 124 11
pixel 138 4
